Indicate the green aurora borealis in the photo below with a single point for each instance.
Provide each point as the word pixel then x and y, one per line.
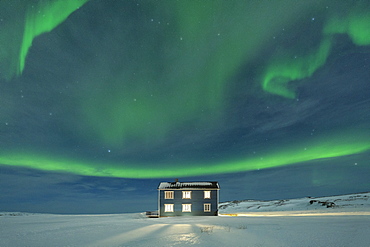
pixel 320 150
pixel 144 89
pixel 355 24
pixel 43 17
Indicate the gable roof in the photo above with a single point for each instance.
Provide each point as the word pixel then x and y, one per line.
pixel 188 185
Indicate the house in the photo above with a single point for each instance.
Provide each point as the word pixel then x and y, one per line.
pixel 188 198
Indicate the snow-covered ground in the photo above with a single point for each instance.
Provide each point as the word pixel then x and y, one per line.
pixel 301 223
pixel 352 204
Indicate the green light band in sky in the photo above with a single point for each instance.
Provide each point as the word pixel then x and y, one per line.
pixel 43 17
pixel 291 67
pixel 338 146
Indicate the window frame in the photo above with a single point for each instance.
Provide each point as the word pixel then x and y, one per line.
pixel 185 193
pixel 207 194
pixel 169 194
pixel 207 207
pixel 168 208
pixel 186 207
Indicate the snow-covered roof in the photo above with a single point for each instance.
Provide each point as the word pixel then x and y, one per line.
pixel 188 185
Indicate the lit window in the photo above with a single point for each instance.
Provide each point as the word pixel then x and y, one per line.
pixel 207 194
pixel 168 195
pixel 207 207
pixel 168 207
pixel 186 195
pixel 186 207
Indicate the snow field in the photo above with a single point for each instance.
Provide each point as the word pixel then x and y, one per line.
pixel 136 230
pixel 296 222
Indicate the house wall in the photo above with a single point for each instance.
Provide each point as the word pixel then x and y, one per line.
pixel 197 201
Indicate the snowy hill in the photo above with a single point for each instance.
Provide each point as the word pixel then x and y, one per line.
pixel 309 205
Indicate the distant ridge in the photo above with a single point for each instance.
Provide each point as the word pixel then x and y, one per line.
pixel 357 202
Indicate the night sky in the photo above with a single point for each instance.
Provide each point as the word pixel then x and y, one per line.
pixel 102 100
